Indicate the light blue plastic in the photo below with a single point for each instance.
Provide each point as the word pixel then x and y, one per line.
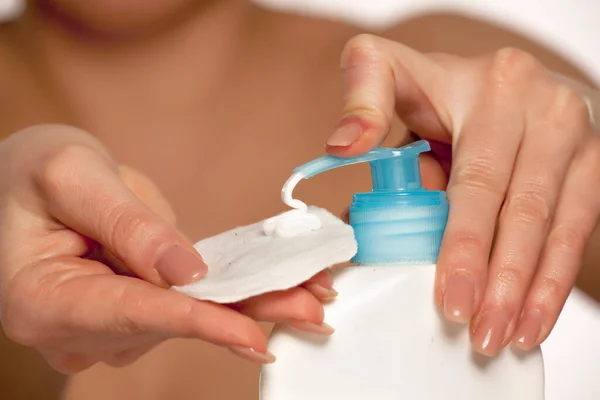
pixel 399 221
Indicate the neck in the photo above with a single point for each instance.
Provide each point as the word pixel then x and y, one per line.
pixel 82 64
pixel 118 21
pixel 48 30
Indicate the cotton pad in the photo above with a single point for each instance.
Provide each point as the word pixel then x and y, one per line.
pixel 247 261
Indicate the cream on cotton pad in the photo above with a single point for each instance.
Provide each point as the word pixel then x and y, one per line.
pixel 292 223
pixel 247 261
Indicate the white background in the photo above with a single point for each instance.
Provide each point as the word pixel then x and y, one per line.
pixel 573 350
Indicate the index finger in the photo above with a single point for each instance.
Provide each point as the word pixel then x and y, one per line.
pixel 382 77
pixel 86 300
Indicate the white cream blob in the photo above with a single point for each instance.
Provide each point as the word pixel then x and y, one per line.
pixel 295 222
pixel 292 223
pixel 288 188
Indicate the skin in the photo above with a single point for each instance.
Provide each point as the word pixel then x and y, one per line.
pixel 186 67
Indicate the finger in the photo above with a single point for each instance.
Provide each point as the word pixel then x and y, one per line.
pixel 101 254
pixel 147 192
pixel 434 166
pixel 483 161
pixel 321 286
pixel 346 216
pixel 379 76
pixel 68 364
pixel 125 351
pixel 85 193
pixel 433 176
pixel 128 356
pixel 150 309
pixel 115 309
pixel 525 218
pixel 575 219
pixel 295 307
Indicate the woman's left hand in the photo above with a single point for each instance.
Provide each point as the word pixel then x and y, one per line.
pixel 521 151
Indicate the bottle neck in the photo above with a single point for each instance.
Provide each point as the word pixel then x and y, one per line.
pixel 403 227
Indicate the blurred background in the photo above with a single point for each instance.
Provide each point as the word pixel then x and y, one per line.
pixel 569 28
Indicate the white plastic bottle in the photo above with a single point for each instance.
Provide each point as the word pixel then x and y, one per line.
pixel 390 342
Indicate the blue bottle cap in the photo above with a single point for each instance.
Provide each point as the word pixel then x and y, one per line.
pixel 399 221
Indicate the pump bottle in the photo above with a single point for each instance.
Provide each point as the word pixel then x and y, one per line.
pixel 390 341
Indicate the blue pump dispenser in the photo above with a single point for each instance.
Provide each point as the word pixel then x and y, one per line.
pixel 399 221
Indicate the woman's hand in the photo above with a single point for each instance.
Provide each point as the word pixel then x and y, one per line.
pixel 522 152
pixel 77 232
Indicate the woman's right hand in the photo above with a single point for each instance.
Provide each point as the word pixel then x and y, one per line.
pixel 76 233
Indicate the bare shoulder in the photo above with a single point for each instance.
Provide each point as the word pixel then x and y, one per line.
pixel 441 32
pixel 464 36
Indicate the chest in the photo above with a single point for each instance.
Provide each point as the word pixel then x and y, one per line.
pixel 221 159
pixel 225 167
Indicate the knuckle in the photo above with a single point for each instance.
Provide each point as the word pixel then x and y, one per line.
pixel 466 241
pixel 58 172
pixel 126 322
pixel 511 66
pixel 187 311
pixel 131 223
pixel 125 222
pixel 569 108
pixel 463 245
pixel 361 49
pixel 510 275
pixel 478 173
pixel 372 114
pixel 549 290
pixel 566 239
pixel 529 205
pixel 185 315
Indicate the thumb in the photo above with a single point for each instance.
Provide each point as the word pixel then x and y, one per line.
pixel 85 192
pixel 147 192
pixel 383 77
pixel 151 196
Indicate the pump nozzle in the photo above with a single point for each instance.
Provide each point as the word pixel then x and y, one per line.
pixel 391 169
pixel 399 220
pixel 394 168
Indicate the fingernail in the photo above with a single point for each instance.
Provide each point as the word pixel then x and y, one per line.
pixel 323 329
pixel 253 355
pixel 459 298
pixel 179 266
pixel 345 134
pixel 529 329
pixel 321 291
pixel 489 333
